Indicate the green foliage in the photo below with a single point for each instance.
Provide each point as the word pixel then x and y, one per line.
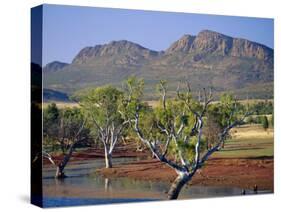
pixel 212 127
pixel 169 115
pixel 132 93
pixel 100 107
pixel 51 122
pixel 228 109
pixel 259 119
pixel 102 103
pixel 250 120
pixel 50 114
pixel 265 123
pixel 60 127
pixel 262 107
pixel 72 120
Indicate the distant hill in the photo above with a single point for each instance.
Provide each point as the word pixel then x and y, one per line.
pixel 54 66
pixel 116 52
pixel 52 95
pixel 209 59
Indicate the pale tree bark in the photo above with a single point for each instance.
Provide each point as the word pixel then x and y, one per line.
pixel 184 169
pixel 109 136
pixel 108 158
pixel 181 180
pixel 59 168
pixel 107 185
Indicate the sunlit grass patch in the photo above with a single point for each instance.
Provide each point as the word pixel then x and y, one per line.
pixel 248 141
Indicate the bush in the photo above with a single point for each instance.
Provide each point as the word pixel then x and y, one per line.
pixel 262 108
pixel 265 123
pixel 250 120
pixel 272 120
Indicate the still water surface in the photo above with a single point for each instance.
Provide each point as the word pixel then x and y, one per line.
pixel 84 187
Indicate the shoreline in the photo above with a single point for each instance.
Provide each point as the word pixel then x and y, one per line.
pixel 242 173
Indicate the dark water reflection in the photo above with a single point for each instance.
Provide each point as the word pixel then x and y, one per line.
pixel 84 186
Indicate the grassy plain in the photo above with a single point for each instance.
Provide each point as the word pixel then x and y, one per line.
pixel 248 141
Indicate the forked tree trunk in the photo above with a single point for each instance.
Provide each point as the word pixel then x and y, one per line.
pixel 177 185
pixel 60 168
pixel 108 158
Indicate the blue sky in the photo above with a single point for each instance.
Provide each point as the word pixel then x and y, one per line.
pixel 68 29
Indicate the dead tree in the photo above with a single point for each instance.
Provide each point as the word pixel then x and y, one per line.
pixel 176 133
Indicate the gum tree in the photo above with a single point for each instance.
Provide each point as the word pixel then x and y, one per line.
pixel 175 136
pixel 63 131
pixel 101 108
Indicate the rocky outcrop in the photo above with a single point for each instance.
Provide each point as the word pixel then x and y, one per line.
pixel 206 43
pixel 125 52
pixel 245 48
pixel 209 42
pixel 181 45
pixel 212 43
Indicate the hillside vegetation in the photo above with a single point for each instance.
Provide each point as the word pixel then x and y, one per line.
pixel 210 58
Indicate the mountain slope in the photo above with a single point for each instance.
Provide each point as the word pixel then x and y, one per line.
pixel 209 59
pixel 210 42
pixel 54 66
pixel 116 52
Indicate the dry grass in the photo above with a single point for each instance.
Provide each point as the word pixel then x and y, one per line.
pixel 252 131
pixel 249 141
pixel 62 104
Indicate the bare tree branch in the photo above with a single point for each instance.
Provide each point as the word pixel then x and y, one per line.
pixel 49 157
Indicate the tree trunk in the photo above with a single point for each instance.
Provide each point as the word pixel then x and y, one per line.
pixel 177 185
pixel 60 172
pixel 107 184
pixel 108 158
pixel 60 168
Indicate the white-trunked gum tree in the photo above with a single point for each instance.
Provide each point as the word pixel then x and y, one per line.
pixel 174 133
pixel 101 108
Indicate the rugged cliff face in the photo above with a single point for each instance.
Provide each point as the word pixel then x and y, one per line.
pixel 208 59
pixel 119 52
pixel 210 42
pixel 245 48
pixel 182 45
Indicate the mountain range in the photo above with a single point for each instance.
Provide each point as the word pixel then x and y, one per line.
pixel 209 59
